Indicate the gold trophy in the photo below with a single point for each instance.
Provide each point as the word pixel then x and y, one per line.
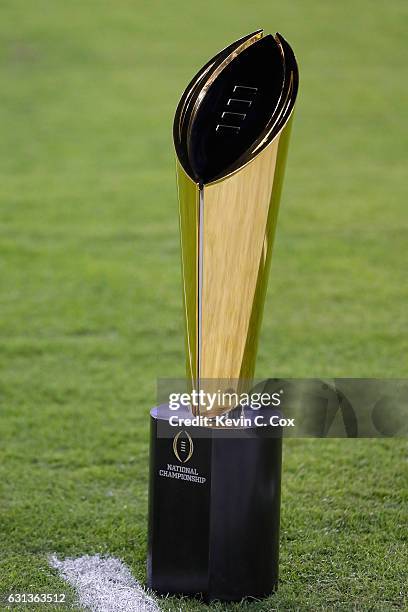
pixel 231 133
pixel 214 495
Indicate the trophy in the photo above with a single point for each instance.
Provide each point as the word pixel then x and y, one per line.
pixel 214 493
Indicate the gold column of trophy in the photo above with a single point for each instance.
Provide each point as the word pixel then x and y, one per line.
pixel 231 133
pixel 214 494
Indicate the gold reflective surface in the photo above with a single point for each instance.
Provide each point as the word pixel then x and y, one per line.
pixel 188 196
pixel 234 247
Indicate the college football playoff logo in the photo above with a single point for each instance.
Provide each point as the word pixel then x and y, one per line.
pixel 183 446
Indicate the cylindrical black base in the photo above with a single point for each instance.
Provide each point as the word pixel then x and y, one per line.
pixel 214 503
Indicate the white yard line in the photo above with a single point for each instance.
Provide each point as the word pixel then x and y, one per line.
pixel 104 584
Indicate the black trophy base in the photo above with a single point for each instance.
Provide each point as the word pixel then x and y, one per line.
pixel 214 503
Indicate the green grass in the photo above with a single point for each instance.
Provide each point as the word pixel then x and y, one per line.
pixel 90 296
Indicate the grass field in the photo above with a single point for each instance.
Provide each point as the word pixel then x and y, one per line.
pixel 91 309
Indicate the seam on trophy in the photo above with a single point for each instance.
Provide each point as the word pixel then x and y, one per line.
pixel 200 282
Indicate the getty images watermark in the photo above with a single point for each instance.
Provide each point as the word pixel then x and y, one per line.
pixel 338 407
pixel 201 402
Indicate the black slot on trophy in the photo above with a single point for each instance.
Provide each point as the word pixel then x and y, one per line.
pixel 214 493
